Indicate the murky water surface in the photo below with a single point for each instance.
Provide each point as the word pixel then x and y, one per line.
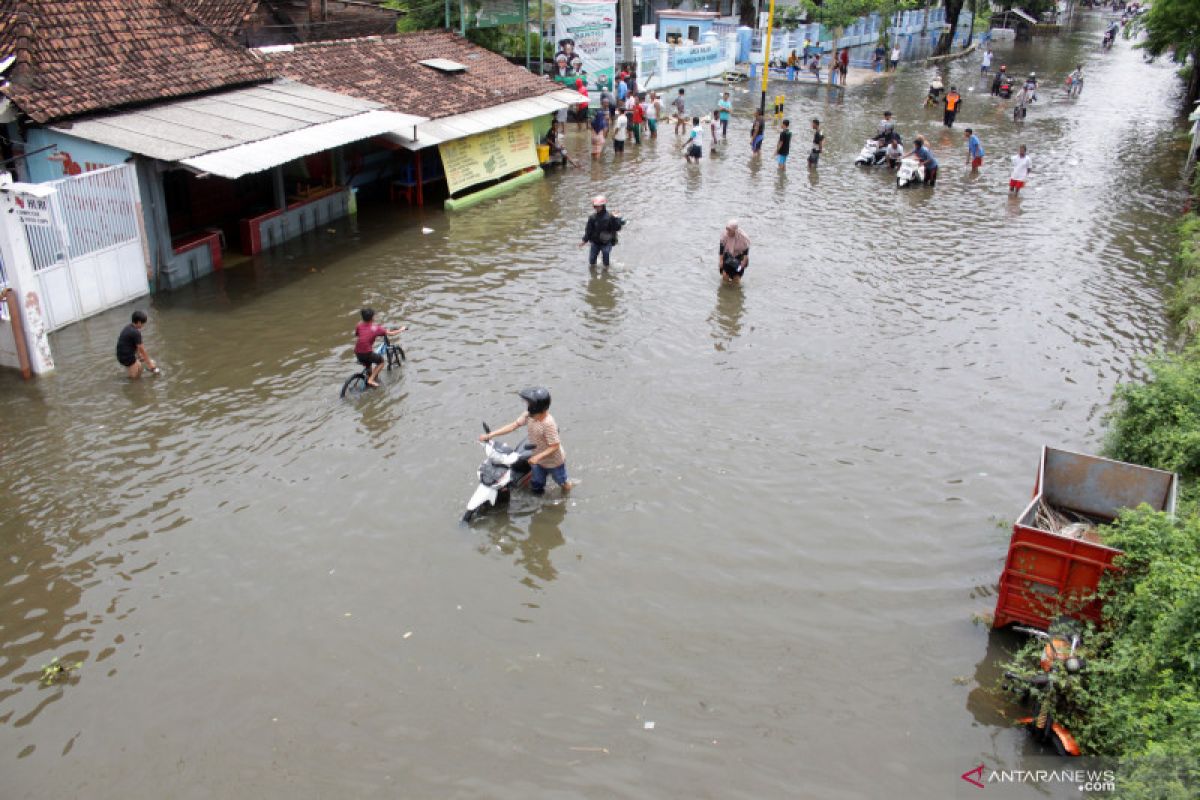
pixel 789 498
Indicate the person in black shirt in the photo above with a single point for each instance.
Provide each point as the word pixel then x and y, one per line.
pixel 601 231
pixel 818 143
pixel 130 352
pixel 785 144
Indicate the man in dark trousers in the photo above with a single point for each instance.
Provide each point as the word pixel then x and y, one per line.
pixel 601 231
pixel 952 102
pixel 131 354
pixel 818 143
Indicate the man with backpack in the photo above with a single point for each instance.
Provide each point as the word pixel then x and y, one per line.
pixel 601 231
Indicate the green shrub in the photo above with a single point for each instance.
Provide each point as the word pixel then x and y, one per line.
pixel 1140 701
pixel 1158 423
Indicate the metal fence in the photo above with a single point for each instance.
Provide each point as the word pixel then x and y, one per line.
pixel 87 213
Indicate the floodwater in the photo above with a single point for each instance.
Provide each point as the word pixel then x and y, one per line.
pixel 792 499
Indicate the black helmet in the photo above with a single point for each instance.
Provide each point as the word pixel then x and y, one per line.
pixel 537 399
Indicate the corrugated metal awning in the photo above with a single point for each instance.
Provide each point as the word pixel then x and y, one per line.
pixel 245 159
pixel 257 127
pixel 1023 16
pixel 445 129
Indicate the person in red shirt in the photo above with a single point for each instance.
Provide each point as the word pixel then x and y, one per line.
pixel 638 114
pixel 365 334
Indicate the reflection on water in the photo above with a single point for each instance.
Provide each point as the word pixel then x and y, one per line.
pixel 726 317
pixel 270 584
pixel 528 529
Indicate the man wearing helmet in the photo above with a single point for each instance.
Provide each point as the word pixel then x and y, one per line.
pixel 548 457
pixel 601 231
pixel 1001 75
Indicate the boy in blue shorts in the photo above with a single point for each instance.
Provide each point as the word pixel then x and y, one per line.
pixel 785 144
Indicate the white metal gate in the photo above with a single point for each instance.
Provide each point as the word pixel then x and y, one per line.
pixel 86 246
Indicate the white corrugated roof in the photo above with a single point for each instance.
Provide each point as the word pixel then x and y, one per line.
pixel 234 162
pixel 445 129
pixel 262 123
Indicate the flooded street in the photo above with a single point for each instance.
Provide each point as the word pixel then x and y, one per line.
pixel 794 495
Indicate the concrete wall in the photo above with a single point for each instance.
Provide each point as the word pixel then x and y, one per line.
pixel 662 65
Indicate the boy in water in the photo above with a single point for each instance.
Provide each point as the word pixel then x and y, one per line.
pixel 131 354
pixel 365 334
pixel 785 144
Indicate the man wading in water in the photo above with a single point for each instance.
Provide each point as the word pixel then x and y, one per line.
pixel 733 253
pixel 601 231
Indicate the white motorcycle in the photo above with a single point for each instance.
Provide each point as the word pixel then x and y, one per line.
pixel 503 468
pixel 872 155
pixel 911 172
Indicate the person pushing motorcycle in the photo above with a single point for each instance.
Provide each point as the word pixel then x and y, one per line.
pixel 548 457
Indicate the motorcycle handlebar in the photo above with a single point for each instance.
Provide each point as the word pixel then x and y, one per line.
pixel 1031 631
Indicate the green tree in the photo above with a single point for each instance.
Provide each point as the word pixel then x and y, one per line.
pixel 837 14
pixel 1173 28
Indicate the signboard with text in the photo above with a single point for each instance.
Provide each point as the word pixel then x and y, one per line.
pixel 687 57
pixel 587 42
pixel 489 155
pixel 33 210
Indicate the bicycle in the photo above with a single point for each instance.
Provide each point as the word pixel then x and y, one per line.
pixel 356 384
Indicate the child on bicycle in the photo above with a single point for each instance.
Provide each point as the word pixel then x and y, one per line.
pixel 365 334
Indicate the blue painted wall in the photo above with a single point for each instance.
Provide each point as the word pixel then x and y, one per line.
pixel 83 155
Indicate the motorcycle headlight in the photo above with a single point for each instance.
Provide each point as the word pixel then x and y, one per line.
pixel 1074 665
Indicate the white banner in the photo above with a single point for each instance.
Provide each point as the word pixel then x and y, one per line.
pixel 587 41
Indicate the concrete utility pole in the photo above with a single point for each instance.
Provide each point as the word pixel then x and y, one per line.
pixel 627 31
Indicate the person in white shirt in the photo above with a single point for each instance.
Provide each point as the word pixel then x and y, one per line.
pixel 895 60
pixel 695 142
pixel 986 64
pixel 620 131
pixel 652 107
pixel 1022 166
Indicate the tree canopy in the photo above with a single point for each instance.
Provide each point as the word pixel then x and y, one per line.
pixel 1173 28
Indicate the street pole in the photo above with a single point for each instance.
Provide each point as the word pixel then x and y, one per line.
pixel 766 66
pixel 447 14
pixel 627 31
pixel 525 16
pixel 541 37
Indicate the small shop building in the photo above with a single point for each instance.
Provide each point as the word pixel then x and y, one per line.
pixel 228 156
pixel 483 116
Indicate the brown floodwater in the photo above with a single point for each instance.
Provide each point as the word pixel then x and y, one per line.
pixel 792 498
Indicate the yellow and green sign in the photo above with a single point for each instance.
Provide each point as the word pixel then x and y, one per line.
pixel 489 155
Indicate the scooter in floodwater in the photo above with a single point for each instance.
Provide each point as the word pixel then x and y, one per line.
pixel 1061 652
pixel 872 155
pixel 911 172
pixel 503 468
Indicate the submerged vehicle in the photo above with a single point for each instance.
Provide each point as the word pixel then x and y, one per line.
pixel 503 468
pixel 911 172
pixel 873 154
pixel 1061 652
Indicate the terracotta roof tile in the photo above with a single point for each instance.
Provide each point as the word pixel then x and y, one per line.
pixel 386 69
pixel 223 16
pixel 76 56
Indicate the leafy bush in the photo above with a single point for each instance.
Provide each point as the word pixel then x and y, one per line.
pixel 1158 423
pixel 1140 700
pixel 1184 304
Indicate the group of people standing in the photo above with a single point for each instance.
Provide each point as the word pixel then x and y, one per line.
pixel 810 60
